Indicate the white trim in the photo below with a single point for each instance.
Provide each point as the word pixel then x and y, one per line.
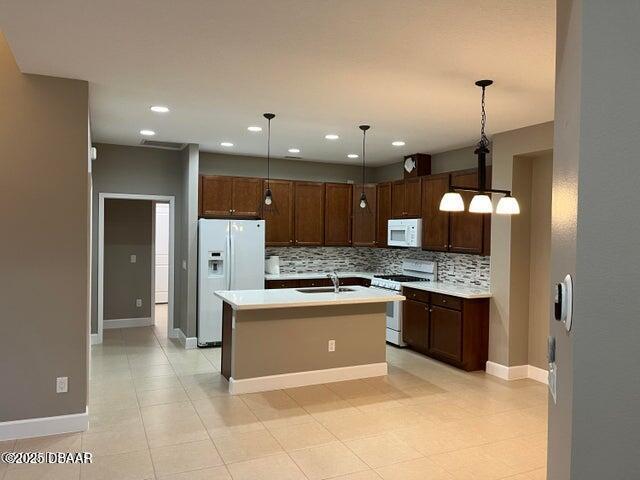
pixel 94 339
pixel 153 263
pixel 175 333
pixel 172 233
pixel 517 372
pixel 39 427
pixel 127 322
pixel 189 342
pixel 538 374
pixel 301 379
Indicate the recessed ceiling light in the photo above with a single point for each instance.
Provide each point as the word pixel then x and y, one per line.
pixel 159 109
pixel 254 129
pixel 226 144
pixel 294 150
pixel 147 133
pixel 398 143
pixel 331 136
pixel 353 155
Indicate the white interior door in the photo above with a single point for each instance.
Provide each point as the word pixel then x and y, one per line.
pixel 162 253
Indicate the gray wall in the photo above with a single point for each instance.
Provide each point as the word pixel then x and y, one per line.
pixel 139 170
pixel 458 159
pixel 44 201
pixel 128 230
pixel 189 160
pixel 594 428
pixel 219 164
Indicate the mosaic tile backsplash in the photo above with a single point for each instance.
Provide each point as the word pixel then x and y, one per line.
pixel 452 267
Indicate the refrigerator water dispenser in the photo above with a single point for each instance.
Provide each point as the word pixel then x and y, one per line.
pixel 216 264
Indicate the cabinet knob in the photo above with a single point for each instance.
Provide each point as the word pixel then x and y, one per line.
pixel 431 310
pixel 444 300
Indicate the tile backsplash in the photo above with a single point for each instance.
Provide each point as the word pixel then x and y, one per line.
pixel 452 267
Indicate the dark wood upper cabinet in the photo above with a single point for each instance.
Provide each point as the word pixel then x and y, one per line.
pixel 415 325
pixel 406 198
pixel 279 215
pixel 309 213
pixel 435 224
pixel 247 197
pixel 222 196
pixel 466 234
pixel 216 195
pixel 338 202
pixel 413 198
pixel 445 334
pixel 397 199
pixel 364 219
pixel 383 212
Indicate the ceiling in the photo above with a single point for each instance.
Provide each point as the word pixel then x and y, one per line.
pixel 407 67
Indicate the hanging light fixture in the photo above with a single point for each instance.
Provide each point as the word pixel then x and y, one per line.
pixel 481 202
pixel 268 197
pixel 363 196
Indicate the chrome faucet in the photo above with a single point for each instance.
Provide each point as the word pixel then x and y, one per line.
pixel 336 281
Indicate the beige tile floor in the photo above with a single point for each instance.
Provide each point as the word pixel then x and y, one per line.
pixel 158 411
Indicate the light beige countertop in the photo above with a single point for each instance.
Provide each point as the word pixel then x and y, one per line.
pixel 292 297
pixel 453 289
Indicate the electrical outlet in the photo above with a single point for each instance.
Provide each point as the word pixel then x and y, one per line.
pixel 332 345
pixel 138 302
pixel 62 384
pixel 134 259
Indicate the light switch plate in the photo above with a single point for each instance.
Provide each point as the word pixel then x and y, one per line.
pixel 62 384
pixel 553 378
pixel 138 302
pixel 332 346
pixel 133 259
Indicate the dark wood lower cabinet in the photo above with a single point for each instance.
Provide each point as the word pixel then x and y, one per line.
pixel 415 327
pixel 445 332
pixel 315 282
pixel 451 329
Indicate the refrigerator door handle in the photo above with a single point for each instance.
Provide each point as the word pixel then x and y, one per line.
pixel 232 264
pixel 228 260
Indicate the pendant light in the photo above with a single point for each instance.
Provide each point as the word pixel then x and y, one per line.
pixel 481 202
pixel 363 196
pixel 268 197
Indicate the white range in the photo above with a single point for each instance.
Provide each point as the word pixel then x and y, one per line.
pixel 412 271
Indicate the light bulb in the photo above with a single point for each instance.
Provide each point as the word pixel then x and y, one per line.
pixel 452 202
pixel 481 203
pixel 508 206
pixel 363 200
pixel 268 200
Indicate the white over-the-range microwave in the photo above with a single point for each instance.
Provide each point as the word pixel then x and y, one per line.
pixel 404 233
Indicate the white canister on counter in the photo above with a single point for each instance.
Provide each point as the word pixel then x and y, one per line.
pixel 272 265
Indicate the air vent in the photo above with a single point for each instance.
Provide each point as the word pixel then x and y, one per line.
pixel 165 145
pixel 292 157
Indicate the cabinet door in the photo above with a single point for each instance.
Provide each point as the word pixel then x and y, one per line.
pixel 364 219
pixel 278 216
pixel 415 324
pixel 412 198
pixel 247 197
pixel 435 224
pixel 338 200
pixel 398 208
pixel 446 333
pixel 466 229
pixel 216 196
pixel 309 213
pixel 383 213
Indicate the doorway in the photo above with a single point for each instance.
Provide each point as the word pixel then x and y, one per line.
pixel 116 282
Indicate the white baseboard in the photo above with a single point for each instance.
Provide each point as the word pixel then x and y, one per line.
pixel 40 427
pixel 95 338
pixel 174 333
pixel 516 372
pixel 127 323
pixel 188 342
pixel 301 379
pixel 538 374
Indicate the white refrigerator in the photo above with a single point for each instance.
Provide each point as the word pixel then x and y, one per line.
pixel 230 257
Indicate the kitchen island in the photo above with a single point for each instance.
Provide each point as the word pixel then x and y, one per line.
pixel 292 337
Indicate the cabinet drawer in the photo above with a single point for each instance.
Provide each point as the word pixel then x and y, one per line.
pixel 315 282
pixel 417 295
pixel 281 284
pixel 446 301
